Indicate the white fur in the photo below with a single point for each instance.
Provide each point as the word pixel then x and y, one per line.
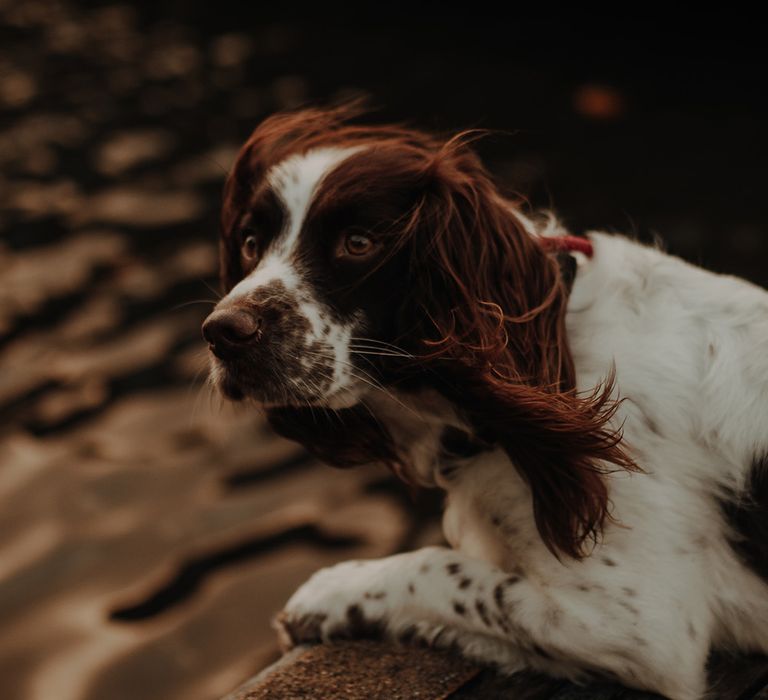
pixel 663 587
pixel 295 181
pixel 272 268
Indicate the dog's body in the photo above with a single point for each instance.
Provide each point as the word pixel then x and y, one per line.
pixel 677 569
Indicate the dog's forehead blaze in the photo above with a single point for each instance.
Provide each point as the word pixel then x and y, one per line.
pixel 296 181
pixel 279 205
pixel 291 186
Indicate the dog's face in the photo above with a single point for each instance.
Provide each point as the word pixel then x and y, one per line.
pixel 317 279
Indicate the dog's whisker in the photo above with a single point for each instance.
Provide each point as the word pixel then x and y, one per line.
pixel 376 354
pixel 381 343
pixel 378 351
pixel 347 363
pixel 215 292
pixel 368 379
pixel 184 304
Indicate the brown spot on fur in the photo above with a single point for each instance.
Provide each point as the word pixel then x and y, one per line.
pixel 306 629
pixel 375 596
pixel 498 591
pixel 498 595
pixel 358 625
pixel 453 568
pixel 459 608
pixel 628 606
pixel 482 611
pixel 465 583
pixel 631 592
pixel 354 613
pixel 608 561
pixel 502 623
pixel 411 588
pixel 554 615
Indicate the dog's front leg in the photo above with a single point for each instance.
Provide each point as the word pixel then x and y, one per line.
pixel 443 598
pixel 429 596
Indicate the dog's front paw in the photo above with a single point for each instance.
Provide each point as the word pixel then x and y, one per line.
pixel 345 601
pixel 293 630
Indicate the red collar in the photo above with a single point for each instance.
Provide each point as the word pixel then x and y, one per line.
pixel 568 244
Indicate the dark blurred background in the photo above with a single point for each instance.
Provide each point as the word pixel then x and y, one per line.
pixel 147 531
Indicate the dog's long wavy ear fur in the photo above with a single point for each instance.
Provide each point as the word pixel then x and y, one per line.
pixel 490 312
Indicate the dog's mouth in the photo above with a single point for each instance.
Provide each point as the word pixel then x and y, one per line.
pixel 292 379
pixel 295 377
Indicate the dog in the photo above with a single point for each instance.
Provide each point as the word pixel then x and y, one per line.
pixel 595 410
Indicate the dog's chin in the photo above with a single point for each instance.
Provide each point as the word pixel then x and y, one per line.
pixel 267 396
pixel 230 389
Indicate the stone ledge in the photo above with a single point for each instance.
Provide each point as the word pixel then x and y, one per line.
pixel 359 670
pixel 371 670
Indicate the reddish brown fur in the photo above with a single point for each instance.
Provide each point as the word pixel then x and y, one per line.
pixel 485 316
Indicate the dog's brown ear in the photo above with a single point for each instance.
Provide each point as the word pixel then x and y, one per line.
pixel 488 304
pixel 342 438
pixel 560 443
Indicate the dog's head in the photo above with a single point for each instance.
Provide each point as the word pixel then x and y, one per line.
pixel 345 249
pixel 312 259
pixel 356 257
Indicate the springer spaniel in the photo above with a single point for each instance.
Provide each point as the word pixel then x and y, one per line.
pixel 595 410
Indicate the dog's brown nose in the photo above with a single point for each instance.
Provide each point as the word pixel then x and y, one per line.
pixel 229 331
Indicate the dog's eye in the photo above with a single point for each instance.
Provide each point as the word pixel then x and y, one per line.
pixel 249 247
pixel 356 244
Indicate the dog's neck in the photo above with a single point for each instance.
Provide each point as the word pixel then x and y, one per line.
pixel 428 432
